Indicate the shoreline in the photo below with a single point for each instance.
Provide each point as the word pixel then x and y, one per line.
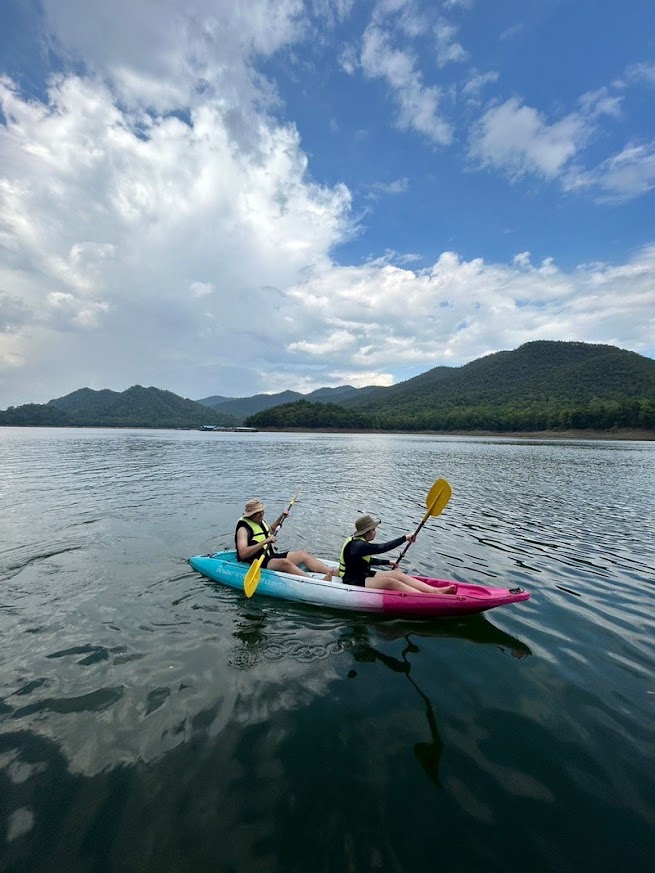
pixel 621 434
pixel 625 434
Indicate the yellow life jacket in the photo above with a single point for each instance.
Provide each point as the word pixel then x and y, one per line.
pixel 258 533
pixel 342 556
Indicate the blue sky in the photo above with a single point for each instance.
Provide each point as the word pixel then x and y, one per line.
pixel 229 198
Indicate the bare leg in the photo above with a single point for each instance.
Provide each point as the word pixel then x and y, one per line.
pixel 313 564
pixel 284 565
pixel 396 580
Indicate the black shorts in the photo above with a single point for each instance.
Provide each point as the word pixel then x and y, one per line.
pixel 360 583
pixel 274 555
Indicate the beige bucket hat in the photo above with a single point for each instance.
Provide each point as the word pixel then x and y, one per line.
pixel 365 523
pixel 253 507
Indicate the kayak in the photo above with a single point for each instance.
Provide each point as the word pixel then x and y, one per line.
pixel 224 567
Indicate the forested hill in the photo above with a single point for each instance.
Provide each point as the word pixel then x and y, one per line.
pixel 540 386
pixel 304 414
pixel 136 407
pixel 538 371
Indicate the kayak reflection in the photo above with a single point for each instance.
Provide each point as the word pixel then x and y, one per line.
pixel 428 754
pixel 477 629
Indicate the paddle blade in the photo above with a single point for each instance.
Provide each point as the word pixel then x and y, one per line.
pixel 253 576
pixel 438 497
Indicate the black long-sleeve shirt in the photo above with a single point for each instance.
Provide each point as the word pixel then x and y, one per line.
pixel 357 569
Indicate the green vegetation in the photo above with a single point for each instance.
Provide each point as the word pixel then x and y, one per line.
pixel 595 415
pixel 306 414
pixel 136 407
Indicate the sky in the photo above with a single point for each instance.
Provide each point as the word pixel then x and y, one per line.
pixel 228 197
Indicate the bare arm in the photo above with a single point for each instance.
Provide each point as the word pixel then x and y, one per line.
pixel 278 521
pixel 246 552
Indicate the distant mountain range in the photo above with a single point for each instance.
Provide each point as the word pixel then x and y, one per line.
pixel 541 385
pixel 241 407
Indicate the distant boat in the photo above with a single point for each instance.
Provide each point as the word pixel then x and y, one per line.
pixel 215 427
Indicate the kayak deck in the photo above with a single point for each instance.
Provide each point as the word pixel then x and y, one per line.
pixel 225 568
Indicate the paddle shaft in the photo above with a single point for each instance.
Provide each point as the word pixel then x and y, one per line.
pixel 285 514
pixel 429 512
pixel 407 545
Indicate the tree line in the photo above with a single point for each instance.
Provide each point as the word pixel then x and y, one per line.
pixel 597 414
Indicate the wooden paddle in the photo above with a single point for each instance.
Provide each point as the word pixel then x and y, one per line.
pixel 435 502
pixel 254 574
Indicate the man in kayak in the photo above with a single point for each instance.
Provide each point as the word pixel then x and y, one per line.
pixel 252 534
pixel 356 562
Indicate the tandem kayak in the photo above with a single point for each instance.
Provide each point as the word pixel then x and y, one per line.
pixel 224 567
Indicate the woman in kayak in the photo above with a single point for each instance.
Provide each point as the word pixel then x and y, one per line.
pixel 357 561
pixel 252 534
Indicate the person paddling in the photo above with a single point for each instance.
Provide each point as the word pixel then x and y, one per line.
pixel 252 534
pixel 357 562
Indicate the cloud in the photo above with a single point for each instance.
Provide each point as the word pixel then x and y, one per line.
pixel 621 177
pixel 396 186
pixel 123 204
pixel 518 140
pixel 473 87
pixel 379 317
pixel 205 41
pixel 417 104
pixel 641 73
pixel 201 289
pixel 406 16
pixel 13 313
pixel 511 32
pixel 448 50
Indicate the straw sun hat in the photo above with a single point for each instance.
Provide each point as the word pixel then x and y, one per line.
pixel 253 507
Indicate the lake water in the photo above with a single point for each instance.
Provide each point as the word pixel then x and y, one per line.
pixel 153 721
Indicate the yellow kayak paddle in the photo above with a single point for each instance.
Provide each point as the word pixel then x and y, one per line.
pixel 435 502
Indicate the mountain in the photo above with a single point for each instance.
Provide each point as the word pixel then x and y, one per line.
pixel 333 395
pixel 540 371
pixel 214 401
pixel 241 407
pixel 135 407
pixel 542 385
pixel 86 401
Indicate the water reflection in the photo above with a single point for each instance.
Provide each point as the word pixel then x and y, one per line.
pixel 255 642
pixel 477 630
